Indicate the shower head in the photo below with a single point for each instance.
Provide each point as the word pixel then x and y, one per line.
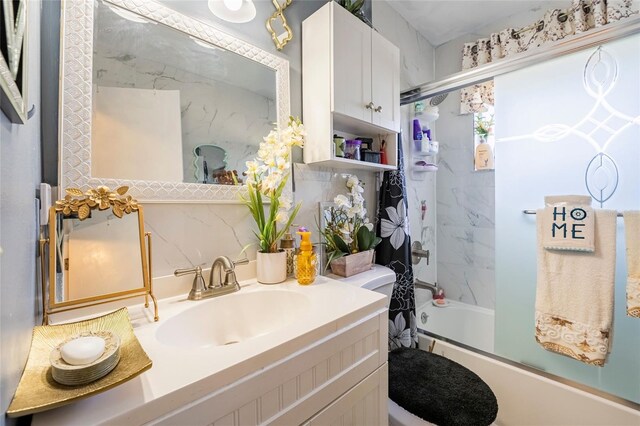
pixel 438 99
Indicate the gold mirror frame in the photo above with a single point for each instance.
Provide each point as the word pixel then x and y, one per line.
pixel 79 204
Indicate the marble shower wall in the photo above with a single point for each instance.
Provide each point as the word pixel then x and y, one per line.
pixel 416 67
pixel 466 199
pixel 213 112
pixel 193 234
pixel 466 212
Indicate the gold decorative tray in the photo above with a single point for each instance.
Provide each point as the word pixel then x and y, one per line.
pixel 37 391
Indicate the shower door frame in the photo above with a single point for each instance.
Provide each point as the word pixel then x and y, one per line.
pixel 482 73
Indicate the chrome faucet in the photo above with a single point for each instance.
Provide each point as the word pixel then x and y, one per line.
pixel 433 288
pixel 217 286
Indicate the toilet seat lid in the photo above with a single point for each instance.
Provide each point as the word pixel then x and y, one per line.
pixel 439 390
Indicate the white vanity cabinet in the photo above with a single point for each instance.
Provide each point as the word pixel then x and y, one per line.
pixel 326 366
pixel 324 383
pixel 351 86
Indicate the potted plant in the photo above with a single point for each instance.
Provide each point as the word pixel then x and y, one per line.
pixel 348 234
pixel 355 7
pixel 483 126
pixel 483 157
pixel 267 176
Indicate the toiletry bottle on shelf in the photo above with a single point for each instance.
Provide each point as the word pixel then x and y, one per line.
pixel 306 259
pixel 484 155
pixel 287 244
pixel 417 135
pixel 383 152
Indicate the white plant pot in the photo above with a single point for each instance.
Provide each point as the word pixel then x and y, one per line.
pixel 271 268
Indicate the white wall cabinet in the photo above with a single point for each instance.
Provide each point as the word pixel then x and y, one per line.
pixel 351 86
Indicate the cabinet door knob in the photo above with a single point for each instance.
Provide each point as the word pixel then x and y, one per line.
pixel 378 109
pixel 370 105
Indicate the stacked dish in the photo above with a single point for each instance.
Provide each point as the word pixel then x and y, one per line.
pixel 70 372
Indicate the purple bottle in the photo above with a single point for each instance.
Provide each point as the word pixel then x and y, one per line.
pixel 417 130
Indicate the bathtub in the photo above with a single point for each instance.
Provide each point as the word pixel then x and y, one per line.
pixel 458 322
pixel 526 397
pixel 462 332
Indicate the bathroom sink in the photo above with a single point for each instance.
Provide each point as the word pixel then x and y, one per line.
pixel 232 319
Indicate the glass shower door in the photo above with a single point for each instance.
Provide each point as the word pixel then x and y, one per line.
pixel 566 126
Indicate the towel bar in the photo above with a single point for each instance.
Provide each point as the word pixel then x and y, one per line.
pixel 534 212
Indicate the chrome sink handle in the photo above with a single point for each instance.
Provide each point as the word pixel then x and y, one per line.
pixel 198 288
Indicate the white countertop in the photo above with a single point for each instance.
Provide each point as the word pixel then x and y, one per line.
pixel 180 375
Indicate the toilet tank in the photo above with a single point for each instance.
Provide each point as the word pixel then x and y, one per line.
pixel 379 278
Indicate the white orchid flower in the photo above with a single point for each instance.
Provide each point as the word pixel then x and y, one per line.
pixel 271 182
pixel 352 181
pixel 282 217
pixel 285 202
pixel 342 201
pixel 253 167
pixel 272 138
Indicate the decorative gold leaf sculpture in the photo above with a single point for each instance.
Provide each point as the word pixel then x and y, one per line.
pixel 83 212
pixel 122 190
pixel 81 203
pixel 74 192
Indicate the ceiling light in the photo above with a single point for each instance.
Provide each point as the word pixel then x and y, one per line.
pixel 236 11
pixel 233 5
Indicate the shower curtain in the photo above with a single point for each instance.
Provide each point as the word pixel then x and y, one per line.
pixel 395 252
pixel 556 24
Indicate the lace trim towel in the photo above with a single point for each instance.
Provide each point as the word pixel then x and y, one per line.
pixel 632 237
pixel 574 295
pixel 573 339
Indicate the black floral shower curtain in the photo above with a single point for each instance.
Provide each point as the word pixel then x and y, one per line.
pixel 395 252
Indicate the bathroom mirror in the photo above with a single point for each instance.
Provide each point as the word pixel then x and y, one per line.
pixel 98 250
pixel 134 115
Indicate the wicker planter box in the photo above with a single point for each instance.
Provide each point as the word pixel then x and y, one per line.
pixel 353 264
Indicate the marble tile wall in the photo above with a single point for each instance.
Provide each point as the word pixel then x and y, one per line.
pixel 416 67
pixel 466 211
pixel 212 112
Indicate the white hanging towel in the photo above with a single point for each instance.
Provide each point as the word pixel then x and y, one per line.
pixel 574 295
pixel 568 223
pixel 632 237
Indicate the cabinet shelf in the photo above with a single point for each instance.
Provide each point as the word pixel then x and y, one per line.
pixel 346 163
pixel 354 126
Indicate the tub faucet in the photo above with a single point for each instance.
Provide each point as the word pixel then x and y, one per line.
pixel 433 288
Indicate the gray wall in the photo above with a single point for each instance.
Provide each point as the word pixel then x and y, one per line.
pixel 19 178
